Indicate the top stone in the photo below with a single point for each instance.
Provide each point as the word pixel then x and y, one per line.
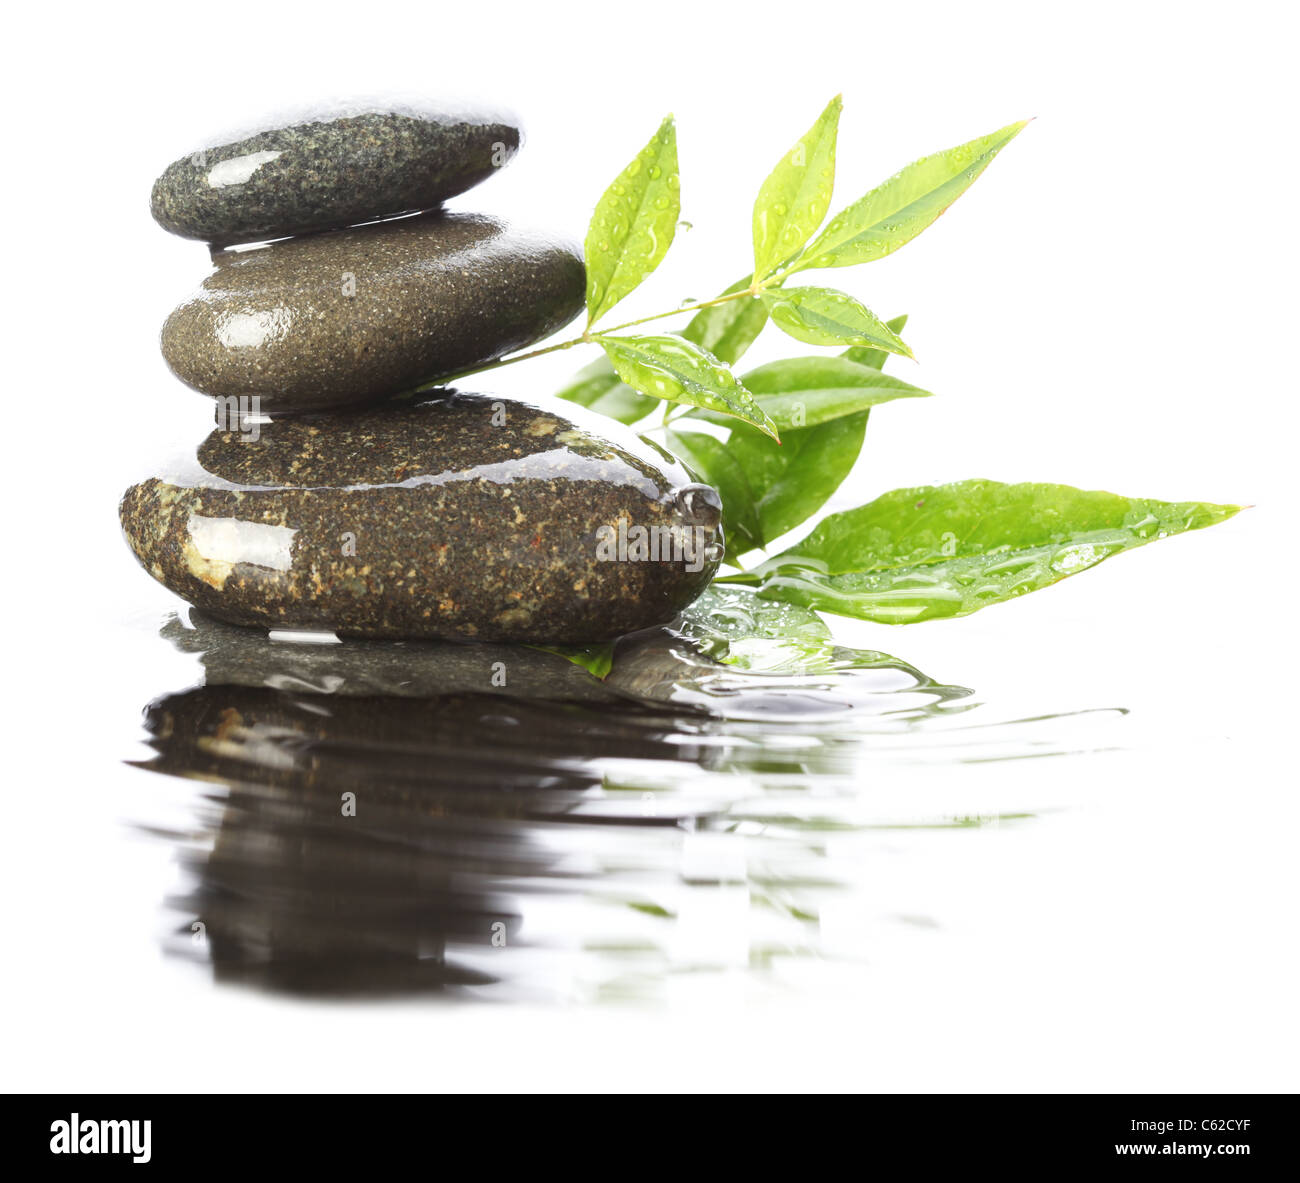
pixel 328 169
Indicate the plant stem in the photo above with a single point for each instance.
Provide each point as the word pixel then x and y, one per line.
pixel 587 338
pixel 504 361
pixel 673 312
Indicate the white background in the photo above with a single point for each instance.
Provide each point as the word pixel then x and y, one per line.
pixel 1112 306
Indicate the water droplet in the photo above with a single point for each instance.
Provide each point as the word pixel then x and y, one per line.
pixel 699 505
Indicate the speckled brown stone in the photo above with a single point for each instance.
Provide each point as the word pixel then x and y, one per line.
pixel 348 316
pixel 461 516
pixel 330 168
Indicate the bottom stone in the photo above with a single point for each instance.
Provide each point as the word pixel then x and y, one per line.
pixel 460 516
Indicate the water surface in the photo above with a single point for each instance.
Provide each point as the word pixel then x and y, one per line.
pixel 475 821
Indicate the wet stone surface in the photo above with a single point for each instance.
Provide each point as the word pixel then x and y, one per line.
pixel 330 168
pixel 350 316
pixel 459 516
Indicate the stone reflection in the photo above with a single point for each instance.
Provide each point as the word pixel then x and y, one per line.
pixel 384 818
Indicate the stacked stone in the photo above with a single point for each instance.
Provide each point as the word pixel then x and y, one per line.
pixel 331 498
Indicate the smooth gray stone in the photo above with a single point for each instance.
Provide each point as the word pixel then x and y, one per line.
pixel 330 168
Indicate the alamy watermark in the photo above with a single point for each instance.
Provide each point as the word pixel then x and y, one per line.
pixel 692 545
pixel 242 415
pixel 81 1135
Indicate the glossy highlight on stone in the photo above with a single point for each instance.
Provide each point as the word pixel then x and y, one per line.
pixel 459 516
pixel 329 168
pixel 349 316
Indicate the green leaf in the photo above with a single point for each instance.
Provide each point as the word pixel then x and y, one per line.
pixel 679 371
pixel 768 489
pixel 792 482
pixel 823 316
pixel 710 460
pixel 599 388
pixel 895 212
pixel 634 223
pixel 874 357
pixel 806 391
pixel 949 550
pixel 724 330
pixel 596 659
pixel 796 195
pixel 820 406
pixel 727 330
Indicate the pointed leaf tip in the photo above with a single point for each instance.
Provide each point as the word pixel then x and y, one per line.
pixel 899 209
pixel 793 200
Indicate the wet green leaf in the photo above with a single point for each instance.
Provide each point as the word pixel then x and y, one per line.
pixel 796 195
pixel 727 330
pixel 823 316
pixel 894 213
pixel 820 406
pixel 949 550
pixel 679 371
pixel 768 489
pixel 875 358
pixel 599 388
pixel 597 659
pixel 806 391
pixel 792 482
pixel 634 223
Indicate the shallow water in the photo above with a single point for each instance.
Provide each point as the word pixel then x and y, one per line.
pixel 368 818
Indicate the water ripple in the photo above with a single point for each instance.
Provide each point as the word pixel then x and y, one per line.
pixel 379 818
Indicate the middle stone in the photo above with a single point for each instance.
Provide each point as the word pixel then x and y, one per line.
pixel 349 316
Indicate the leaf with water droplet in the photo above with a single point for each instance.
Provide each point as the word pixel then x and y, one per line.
pixel 796 195
pixel 679 371
pixel 724 330
pixel 634 223
pixel 949 550
pixel 599 388
pixel 866 356
pixel 823 316
pixel 895 212
pixel 820 405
